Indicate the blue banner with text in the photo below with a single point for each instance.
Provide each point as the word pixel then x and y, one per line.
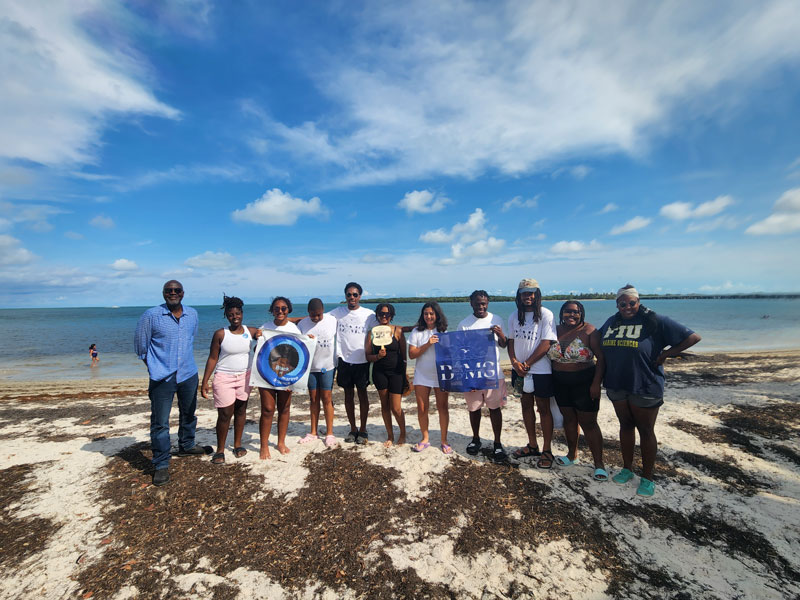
pixel 467 361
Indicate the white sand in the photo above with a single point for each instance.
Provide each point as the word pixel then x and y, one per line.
pixel 68 473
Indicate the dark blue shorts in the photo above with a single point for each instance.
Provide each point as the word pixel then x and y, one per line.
pixel 321 380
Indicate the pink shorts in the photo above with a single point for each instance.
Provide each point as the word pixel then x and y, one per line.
pixel 491 398
pixel 229 387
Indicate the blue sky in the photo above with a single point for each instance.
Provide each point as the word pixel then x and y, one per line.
pixel 285 148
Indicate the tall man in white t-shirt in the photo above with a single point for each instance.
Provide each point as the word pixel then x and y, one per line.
pixel 352 371
pixel 531 330
pixel 494 399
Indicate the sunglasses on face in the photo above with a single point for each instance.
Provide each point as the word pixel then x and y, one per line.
pixel 628 304
pixel 384 314
pixel 280 309
pixel 173 290
pixel 352 294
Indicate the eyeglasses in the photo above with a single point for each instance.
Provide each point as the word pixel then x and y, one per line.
pixel 569 311
pixel 173 290
pixel 280 309
pixel 352 294
pixel 630 304
pixel 384 314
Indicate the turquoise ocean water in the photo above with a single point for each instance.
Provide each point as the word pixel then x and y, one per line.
pixel 54 343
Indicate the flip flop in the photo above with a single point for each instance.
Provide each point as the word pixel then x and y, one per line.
pixel 330 441
pixel 420 446
pixel 623 477
pixel 526 451
pixel 218 458
pixel 447 449
pixel 310 437
pixel 546 460
pixel 239 452
pixel 646 487
pixel 564 461
pixel 600 475
pixel 474 447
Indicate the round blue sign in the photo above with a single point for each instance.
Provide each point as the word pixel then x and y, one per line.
pixel 282 360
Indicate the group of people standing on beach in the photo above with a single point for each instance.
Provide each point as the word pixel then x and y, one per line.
pixel 569 361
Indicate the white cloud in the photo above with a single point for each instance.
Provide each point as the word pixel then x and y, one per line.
pixel 574 247
pixel 423 201
pixel 578 172
pixel 102 222
pixel 545 83
pixel 184 173
pixel 212 260
pixel 610 207
pixel 279 208
pixel 12 253
pixel 723 222
pixel 519 202
pixel 474 227
pixel 631 225
pixel 52 66
pixel 73 235
pixel 784 219
pixel 33 216
pixel 680 211
pixel 123 264
pixel 376 259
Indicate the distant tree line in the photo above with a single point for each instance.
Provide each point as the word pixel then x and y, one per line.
pixel 584 296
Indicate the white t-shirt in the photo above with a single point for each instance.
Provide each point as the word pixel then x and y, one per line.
pixel 425 366
pixel 324 333
pixel 527 337
pixel 487 322
pixel 351 329
pixel 288 327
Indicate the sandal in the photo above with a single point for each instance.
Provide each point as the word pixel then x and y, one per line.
pixel 498 453
pixel 239 451
pixel 565 461
pixel 526 451
pixel 447 449
pixel 330 441
pixel 546 460
pixel 474 447
pixel 600 474
pixel 310 437
pixel 420 446
pixel 218 458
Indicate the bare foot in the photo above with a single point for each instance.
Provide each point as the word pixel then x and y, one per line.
pixel 283 449
pixel 388 444
pixel 264 453
pixel 401 440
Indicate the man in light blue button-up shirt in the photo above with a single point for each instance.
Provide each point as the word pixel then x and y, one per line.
pixel 163 340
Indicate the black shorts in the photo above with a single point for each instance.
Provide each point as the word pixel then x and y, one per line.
pixel 349 375
pixel 572 390
pixel 388 380
pixel 542 384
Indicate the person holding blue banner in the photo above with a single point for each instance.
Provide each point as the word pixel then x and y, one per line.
pixel 280 362
pixel 385 347
pixel 432 322
pixel 531 331
pixel 495 398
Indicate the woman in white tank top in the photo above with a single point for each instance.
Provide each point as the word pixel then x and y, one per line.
pixel 230 357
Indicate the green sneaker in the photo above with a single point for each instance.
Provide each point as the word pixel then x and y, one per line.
pixel 623 477
pixel 646 487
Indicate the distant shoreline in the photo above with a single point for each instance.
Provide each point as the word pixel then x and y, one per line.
pixel 583 297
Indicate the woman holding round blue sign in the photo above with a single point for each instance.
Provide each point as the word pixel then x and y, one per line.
pixel 282 359
pixel 630 362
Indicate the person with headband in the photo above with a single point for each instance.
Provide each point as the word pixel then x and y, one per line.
pixel 635 342
pixel 530 333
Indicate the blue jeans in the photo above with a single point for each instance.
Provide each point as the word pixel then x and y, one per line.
pixel 161 394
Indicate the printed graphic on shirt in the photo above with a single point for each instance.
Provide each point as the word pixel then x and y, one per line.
pixel 624 336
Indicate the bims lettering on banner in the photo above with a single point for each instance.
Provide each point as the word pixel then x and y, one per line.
pixel 466 360
pixel 282 361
